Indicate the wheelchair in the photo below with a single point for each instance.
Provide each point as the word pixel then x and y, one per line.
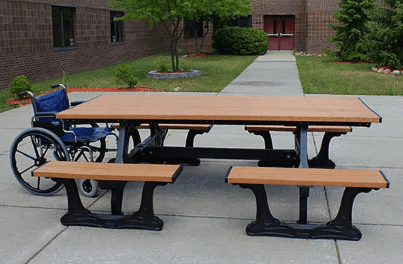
pixel 52 139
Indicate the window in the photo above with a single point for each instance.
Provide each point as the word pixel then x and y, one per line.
pixel 63 26
pixel 194 29
pixel 241 22
pixel 116 28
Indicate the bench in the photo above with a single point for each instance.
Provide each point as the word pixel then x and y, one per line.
pixel 341 227
pixel 319 161
pixel 110 176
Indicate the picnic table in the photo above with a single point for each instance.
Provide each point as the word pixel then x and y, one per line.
pixel 133 110
pixel 130 111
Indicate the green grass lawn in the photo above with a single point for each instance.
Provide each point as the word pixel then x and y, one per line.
pixel 322 75
pixel 217 72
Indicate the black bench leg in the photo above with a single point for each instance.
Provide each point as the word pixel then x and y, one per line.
pixel 144 218
pixel 76 215
pixel 342 227
pixel 190 144
pixel 265 224
pixel 268 144
pixel 322 159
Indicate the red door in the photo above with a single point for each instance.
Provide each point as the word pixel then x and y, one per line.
pixel 280 32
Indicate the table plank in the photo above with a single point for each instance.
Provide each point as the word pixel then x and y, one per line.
pixel 223 108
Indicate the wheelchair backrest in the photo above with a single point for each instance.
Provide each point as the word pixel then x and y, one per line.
pixel 56 101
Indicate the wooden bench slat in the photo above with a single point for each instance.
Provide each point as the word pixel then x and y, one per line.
pixel 108 171
pixel 312 128
pixel 308 177
pixel 202 127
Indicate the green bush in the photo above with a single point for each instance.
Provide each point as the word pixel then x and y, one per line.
pixel 21 84
pixel 240 41
pixel 161 67
pixel 124 74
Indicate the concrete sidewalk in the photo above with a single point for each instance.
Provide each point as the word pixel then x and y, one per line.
pixel 205 218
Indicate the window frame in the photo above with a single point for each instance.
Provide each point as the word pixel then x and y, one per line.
pixel 238 23
pixel 116 25
pixel 60 9
pixel 191 27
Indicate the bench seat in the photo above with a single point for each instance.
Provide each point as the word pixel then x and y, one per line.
pixel 313 128
pixel 321 160
pixel 341 227
pixel 111 176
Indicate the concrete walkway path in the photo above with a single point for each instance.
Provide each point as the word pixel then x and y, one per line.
pixel 205 218
pixel 273 74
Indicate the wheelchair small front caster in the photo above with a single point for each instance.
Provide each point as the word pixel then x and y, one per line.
pixel 88 188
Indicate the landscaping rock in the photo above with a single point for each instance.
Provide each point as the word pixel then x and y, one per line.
pixel 386 71
pixel 380 70
pixel 374 69
pixel 173 75
pixel 396 72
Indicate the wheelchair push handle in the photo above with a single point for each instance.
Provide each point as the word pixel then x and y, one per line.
pixel 24 93
pixel 57 85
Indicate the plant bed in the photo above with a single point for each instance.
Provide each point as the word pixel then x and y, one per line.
pixel 27 100
pixel 197 55
pixel 386 69
pixel 173 75
pixel 352 62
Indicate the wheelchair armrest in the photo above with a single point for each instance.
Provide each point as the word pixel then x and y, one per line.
pixel 45 114
pixel 74 103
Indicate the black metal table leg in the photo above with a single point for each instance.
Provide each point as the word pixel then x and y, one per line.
pixel 301 145
pixel 303 205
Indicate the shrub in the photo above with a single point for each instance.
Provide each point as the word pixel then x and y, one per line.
pixel 351 29
pixel 21 84
pixel 240 41
pixel 124 74
pixel 161 67
pixel 386 34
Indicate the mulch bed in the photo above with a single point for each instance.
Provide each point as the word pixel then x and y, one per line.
pixel 383 67
pixel 27 100
pixel 200 55
pixel 352 62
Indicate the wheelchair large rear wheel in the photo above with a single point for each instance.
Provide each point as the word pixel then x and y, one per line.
pixel 31 149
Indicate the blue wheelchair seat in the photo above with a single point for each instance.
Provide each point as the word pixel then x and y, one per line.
pixel 86 134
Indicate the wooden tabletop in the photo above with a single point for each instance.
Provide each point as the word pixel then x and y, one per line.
pixel 171 107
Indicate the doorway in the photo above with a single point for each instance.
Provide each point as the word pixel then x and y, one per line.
pixel 280 32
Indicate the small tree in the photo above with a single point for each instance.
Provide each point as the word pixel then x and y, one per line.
pixel 167 12
pixel 352 18
pixel 212 11
pixel 173 13
pixel 386 34
pixel 125 75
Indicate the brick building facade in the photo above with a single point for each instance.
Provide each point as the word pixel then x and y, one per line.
pixel 27 39
pixel 30 44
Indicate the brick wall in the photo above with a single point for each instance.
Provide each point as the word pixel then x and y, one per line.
pixel 26 40
pixel 319 14
pixel 26 36
pixel 311 22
